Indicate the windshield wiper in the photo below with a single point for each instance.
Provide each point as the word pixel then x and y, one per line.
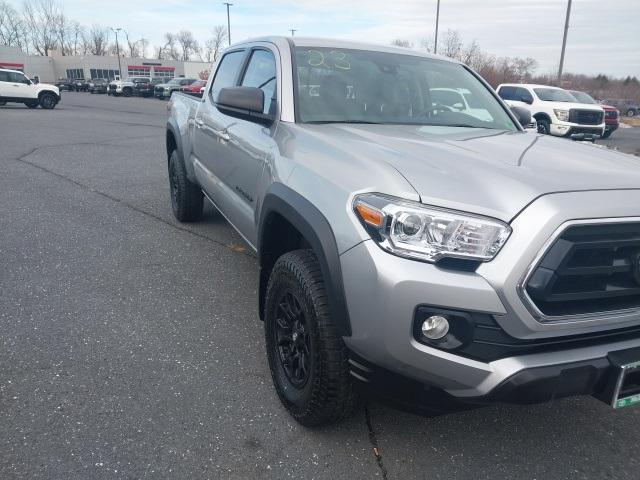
pixel 465 125
pixel 366 122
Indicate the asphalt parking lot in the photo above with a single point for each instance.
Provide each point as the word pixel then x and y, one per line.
pixel 130 345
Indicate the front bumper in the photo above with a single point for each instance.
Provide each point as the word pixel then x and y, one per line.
pixel 383 291
pixel 566 129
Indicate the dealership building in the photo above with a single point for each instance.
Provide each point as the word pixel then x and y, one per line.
pixel 49 69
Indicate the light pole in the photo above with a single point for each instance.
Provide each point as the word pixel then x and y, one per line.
pixel 116 30
pixel 228 21
pixel 435 43
pixel 564 43
pixel 293 31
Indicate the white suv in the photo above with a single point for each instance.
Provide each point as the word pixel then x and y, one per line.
pixel 17 88
pixel 556 111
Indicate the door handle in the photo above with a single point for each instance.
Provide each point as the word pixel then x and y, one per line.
pixel 221 134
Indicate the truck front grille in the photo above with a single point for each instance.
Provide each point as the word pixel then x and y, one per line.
pixel 585 117
pixel 589 269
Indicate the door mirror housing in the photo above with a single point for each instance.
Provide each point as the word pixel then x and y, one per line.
pixel 526 100
pixel 523 115
pixel 243 102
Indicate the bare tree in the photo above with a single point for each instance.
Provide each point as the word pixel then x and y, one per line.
pixel 170 49
pixel 77 35
pixel 63 33
pixel 427 44
pixel 188 44
pixel 98 40
pixel 12 27
pixel 136 48
pixel 398 42
pixel 215 44
pixel 451 44
pixel 40 17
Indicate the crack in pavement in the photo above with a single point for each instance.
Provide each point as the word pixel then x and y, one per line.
pixel 23 160
pixel 374 443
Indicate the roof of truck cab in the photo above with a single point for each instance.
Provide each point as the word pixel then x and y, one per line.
pixel 321 42
pixel 9 70
pixel 529 85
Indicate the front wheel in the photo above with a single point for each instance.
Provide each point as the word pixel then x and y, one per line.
pixel 607 134
pixel 186 197
pixel 544 127
pixel 48 101
pixel 631 112
pixel 307 358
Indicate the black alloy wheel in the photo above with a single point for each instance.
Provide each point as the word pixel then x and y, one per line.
pixel 293 339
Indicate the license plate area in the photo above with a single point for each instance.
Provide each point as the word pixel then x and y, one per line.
pixel 624 386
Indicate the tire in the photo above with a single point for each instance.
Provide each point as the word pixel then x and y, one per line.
pixel 307 358
pixel 544 127
pixel 32 104
pixel 186 197
pixel 607 134
pixel 631 112
pixel 48 101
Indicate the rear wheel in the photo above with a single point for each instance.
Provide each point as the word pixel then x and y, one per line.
pixel 544 127
pixel 631 112
pixel 308 359
pixel 186 197
pixel 48 101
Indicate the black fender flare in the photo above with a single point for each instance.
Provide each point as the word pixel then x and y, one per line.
pixel 313 225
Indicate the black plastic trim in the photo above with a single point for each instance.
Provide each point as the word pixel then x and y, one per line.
pixel 312 224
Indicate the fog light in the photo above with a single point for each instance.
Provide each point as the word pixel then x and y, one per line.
pixel 435 327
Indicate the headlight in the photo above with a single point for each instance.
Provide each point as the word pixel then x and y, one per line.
pixel 427 233
pixel 562 115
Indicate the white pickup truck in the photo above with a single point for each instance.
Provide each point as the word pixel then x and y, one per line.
pixel 556 111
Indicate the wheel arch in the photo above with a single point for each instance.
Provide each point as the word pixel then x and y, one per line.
pixel 542 116
pixel 285 211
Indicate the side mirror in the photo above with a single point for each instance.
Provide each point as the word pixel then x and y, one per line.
pixel 523 115
pixel 526 100
pixel 243 102
pixel 458 106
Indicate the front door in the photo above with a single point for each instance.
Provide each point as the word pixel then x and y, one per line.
pixel 237 148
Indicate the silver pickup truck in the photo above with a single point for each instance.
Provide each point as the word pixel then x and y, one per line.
pixel 433 254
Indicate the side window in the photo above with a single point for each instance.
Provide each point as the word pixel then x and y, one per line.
pixel 523 95
pixel 17 78
pixel 4 76
pixel 507 93
pixel 227 71
pixel 261 73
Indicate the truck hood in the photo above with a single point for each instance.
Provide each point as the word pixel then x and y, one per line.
pixel 489 172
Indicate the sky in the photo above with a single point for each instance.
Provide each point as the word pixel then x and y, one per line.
pixel 604 36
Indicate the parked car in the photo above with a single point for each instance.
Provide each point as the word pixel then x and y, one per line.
pixel 408 249
pixel 98 85
pixel 65 84
pixel 611 114
pixel 144 88
pixel 195 88
pixel 126 87
pixel 15 87
pixel 555 110
pixel 82 85
pixel 165 90
pixel 627 107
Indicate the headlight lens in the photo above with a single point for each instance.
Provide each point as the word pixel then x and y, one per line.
pixel 562 115
pixel 427 233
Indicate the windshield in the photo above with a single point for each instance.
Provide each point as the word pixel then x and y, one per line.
pixel 174 81
pixel 357 86
pixel 583 97
pixel 553 95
